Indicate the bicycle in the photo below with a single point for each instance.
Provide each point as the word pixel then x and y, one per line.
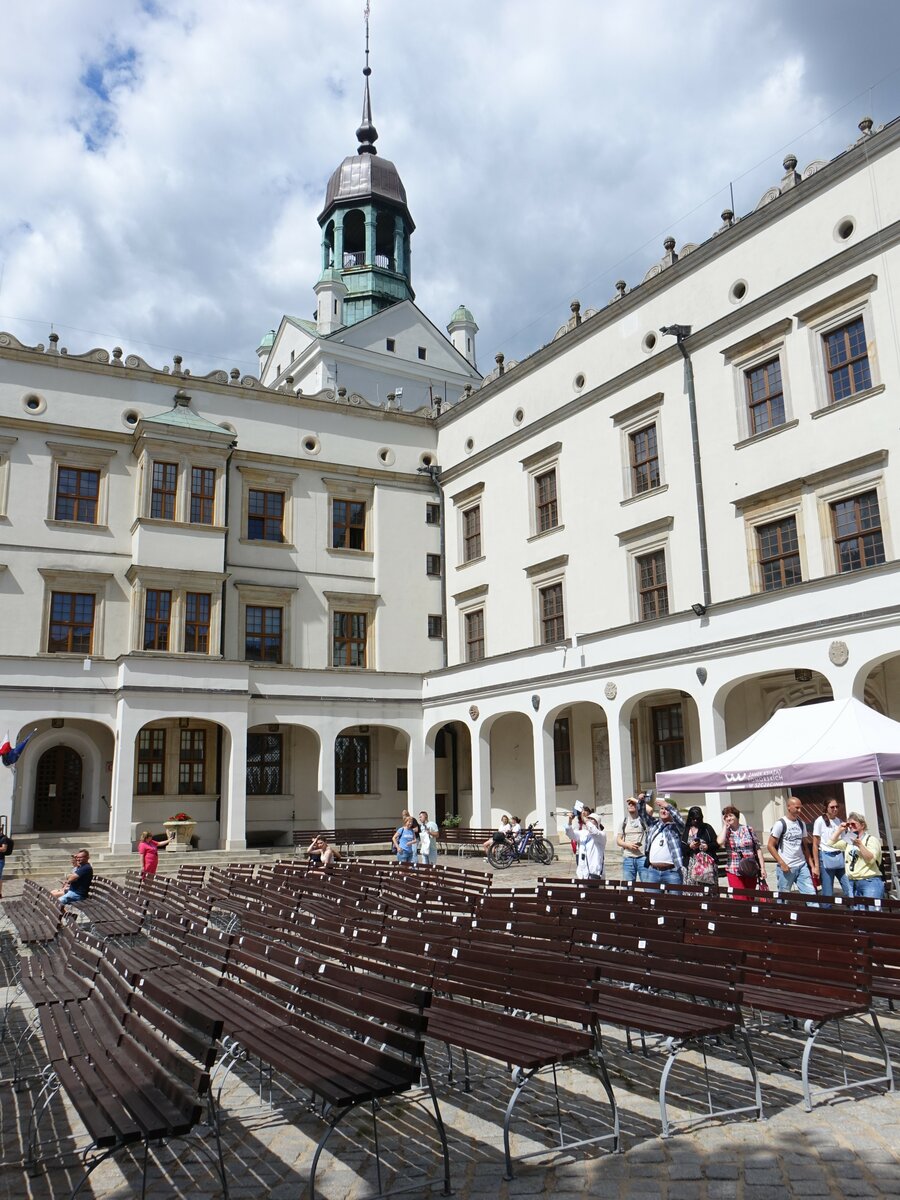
pixel 531 846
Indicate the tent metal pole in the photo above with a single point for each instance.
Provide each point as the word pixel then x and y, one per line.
pixel 888 835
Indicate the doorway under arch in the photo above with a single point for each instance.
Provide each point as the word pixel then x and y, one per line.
pixel 58 790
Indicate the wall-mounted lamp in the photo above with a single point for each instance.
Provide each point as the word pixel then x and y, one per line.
pixel 699 610
pixel 802 675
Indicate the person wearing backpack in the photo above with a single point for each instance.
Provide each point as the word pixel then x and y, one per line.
pixel 631 841
pixel 862 854
pixel 789 845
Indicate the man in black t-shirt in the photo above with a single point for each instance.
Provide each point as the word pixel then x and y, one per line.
pixel 77 885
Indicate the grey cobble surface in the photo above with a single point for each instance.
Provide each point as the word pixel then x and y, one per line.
pixel 847 1146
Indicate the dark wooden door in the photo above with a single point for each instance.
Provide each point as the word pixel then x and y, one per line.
pixel 57 790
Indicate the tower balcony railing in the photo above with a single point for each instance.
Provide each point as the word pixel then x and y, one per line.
pixel 357 258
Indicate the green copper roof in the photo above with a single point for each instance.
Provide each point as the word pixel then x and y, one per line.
pixel 462 314
pixel 181 417
pixel 267 340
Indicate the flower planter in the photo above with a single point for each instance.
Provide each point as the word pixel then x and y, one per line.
pixel 183 831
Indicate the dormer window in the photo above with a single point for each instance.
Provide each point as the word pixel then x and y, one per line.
pixel 390 345
pixel 422 353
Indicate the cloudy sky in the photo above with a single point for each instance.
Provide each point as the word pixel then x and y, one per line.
pixel 163 161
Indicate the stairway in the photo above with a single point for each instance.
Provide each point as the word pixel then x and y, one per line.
pixel 46 857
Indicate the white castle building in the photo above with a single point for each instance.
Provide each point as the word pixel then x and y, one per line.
pixel 369 579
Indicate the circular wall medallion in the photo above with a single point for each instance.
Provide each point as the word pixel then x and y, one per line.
pixel 473 712
pixel 610 691
pixel 839 653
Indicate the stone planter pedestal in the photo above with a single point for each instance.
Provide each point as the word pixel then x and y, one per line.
pixel 183 831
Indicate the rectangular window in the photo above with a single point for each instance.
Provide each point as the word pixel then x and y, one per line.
pixel 475 635
pixel 192 762
pixel 197 610
pixel 262 634
pixel 403 779
pixel 562 751
pixel 471 521
pixel 435 625
pixel 164 484
pixel 858 541
pixel 151 762
pixel 765 396
pixel 77 493
pixel 203 493
pixel 390 345
pixel 668 737
pixel 351 765
pixel 157 614
pixel 847 361
pixel 265 516
pixel 433 565
pixel 779 554
pixel 653 590
pixel 546 507
pixel 422 353
pixel 264 757
pixel 553 622
pixel 349 639
pixel 432 514
pixel 71 623
pixel 644 459
pixel 348 524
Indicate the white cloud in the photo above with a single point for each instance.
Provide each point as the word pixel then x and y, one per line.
pixel 163 163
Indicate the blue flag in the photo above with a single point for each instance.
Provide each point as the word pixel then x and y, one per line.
pixel 11 757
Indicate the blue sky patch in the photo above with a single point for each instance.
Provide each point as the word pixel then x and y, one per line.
pixel 101 78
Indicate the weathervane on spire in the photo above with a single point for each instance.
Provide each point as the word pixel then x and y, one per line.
pixel 367 133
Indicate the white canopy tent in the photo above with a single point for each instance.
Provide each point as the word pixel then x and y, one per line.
pixel 836 741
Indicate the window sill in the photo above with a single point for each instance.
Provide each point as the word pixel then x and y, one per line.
pixel 267 545
pixel 470 562
pixel 766 433
pixel 52 523
pixel 165 523
pixel 855 399
pixel 657 491
pixel 348 552
pixel 183 654
pixel 546 533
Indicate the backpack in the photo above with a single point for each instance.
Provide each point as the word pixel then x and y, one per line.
pixel 702 869
pixel 10 844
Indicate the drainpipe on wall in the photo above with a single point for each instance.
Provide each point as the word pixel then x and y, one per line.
pixel 681 333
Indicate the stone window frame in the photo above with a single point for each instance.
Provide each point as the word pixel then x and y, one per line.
pixel 630 421
pixel 535 466
pixel 353 602
pixel 542 576
pixel 93 583
pixel 179 582
pixel 845 489
pixel 253 594
pixel 748 355
pixel 832 313
pixel 6 445
pixel 637 542
pixel 269 480
pixel 464 502
pixel 767 512
pixel 337 488
pixel 80 457
pixel 468 602
pixel 153 450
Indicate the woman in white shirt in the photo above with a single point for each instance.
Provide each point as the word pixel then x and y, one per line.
pixel 589 837
pixel 829 864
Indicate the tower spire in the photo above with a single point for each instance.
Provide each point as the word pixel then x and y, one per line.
pixel 367 133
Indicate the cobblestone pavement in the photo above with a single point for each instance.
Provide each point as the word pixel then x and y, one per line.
pixel 848 1146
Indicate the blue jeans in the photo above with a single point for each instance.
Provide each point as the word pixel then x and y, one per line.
pixel 867 887
pixel 651 875
pixel 70 897
pixel 832 870
pixel 632 867
pixel 406 856
pixel 799 875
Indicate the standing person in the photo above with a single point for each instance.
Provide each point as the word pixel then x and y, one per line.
pixel 739 842
pixel 405 841
pixel 699 838
pixel 788 844
pixel 6 846
pixel 631 841
pixel 590 837
pixel 148 849
pixel 428 847
pixel 828 863
pixel 862 855
pixel 77 885
pixel 665 863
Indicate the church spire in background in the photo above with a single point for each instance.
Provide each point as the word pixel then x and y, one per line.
pixel 367 133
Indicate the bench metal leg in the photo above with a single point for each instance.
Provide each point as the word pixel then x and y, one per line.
pixel 673 1047
pixel 813 1029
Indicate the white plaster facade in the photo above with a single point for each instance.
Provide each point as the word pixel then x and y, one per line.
pixel 547 523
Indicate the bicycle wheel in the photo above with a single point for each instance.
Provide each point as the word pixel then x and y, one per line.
pixel 501 855
pixel 541 851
